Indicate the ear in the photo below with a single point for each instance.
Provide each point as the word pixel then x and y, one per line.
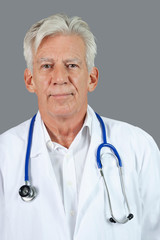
pixel 28 79
pixel 93 79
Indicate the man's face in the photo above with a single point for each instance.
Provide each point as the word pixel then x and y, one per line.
pixel 60 76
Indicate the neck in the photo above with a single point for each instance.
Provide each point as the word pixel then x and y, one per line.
pixel 64 130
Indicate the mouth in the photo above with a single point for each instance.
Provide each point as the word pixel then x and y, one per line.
pixel 61 95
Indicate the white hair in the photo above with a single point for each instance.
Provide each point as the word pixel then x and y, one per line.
pixel 59 24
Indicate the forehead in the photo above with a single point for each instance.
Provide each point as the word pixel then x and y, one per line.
pixel 58 45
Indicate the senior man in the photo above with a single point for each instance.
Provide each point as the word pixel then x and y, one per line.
pixel 66 195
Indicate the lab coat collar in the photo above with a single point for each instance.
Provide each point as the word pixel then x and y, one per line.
pixel 52 145
pixel 39 137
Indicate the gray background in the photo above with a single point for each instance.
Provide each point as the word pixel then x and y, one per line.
pixel 128 38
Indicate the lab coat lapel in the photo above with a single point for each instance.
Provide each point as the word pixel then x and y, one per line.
pixel 91 174
pixel 42 170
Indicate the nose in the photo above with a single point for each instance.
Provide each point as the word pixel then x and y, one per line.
pixel 59 75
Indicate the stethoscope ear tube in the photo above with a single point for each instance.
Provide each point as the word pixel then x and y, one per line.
pixel 112 219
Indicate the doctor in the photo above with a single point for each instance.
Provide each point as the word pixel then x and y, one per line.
pixel 71 201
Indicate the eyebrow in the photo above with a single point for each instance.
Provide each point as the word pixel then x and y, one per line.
pixel 77 60
pixel 45 60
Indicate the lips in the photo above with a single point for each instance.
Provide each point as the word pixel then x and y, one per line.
pixel 59 95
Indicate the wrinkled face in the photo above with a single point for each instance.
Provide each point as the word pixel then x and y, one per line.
pixel 60 76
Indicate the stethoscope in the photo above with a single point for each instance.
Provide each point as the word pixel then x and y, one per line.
pixel 28 192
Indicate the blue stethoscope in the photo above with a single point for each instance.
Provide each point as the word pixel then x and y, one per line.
pixel 28 192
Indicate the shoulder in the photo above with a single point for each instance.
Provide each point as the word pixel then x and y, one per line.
pixel 133 143
pixel 13 142
pixel 18 132
pixel 16 137
pixel 125 134
pixel 128 132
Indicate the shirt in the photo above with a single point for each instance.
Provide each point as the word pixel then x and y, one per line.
pixel 68 165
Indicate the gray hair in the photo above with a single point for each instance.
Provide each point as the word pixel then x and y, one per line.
pixel 59 24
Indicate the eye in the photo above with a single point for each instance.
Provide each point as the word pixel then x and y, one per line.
pixel 47 66
pixel 72 65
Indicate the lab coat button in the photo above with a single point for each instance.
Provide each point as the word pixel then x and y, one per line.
pixel 72 213
pixel 69 183
pixel 67 155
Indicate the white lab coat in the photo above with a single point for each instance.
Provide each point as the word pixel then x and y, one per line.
pixel 44 218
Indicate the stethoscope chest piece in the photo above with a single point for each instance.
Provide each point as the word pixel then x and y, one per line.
pixel 27 193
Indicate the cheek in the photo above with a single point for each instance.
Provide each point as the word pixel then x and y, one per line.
pixel 84 86
pixel 81 82
pixel 41 85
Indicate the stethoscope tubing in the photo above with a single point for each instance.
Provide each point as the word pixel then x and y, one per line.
pixel 28 192
pixel 29 144
pixel 110 146
pixel 105 144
